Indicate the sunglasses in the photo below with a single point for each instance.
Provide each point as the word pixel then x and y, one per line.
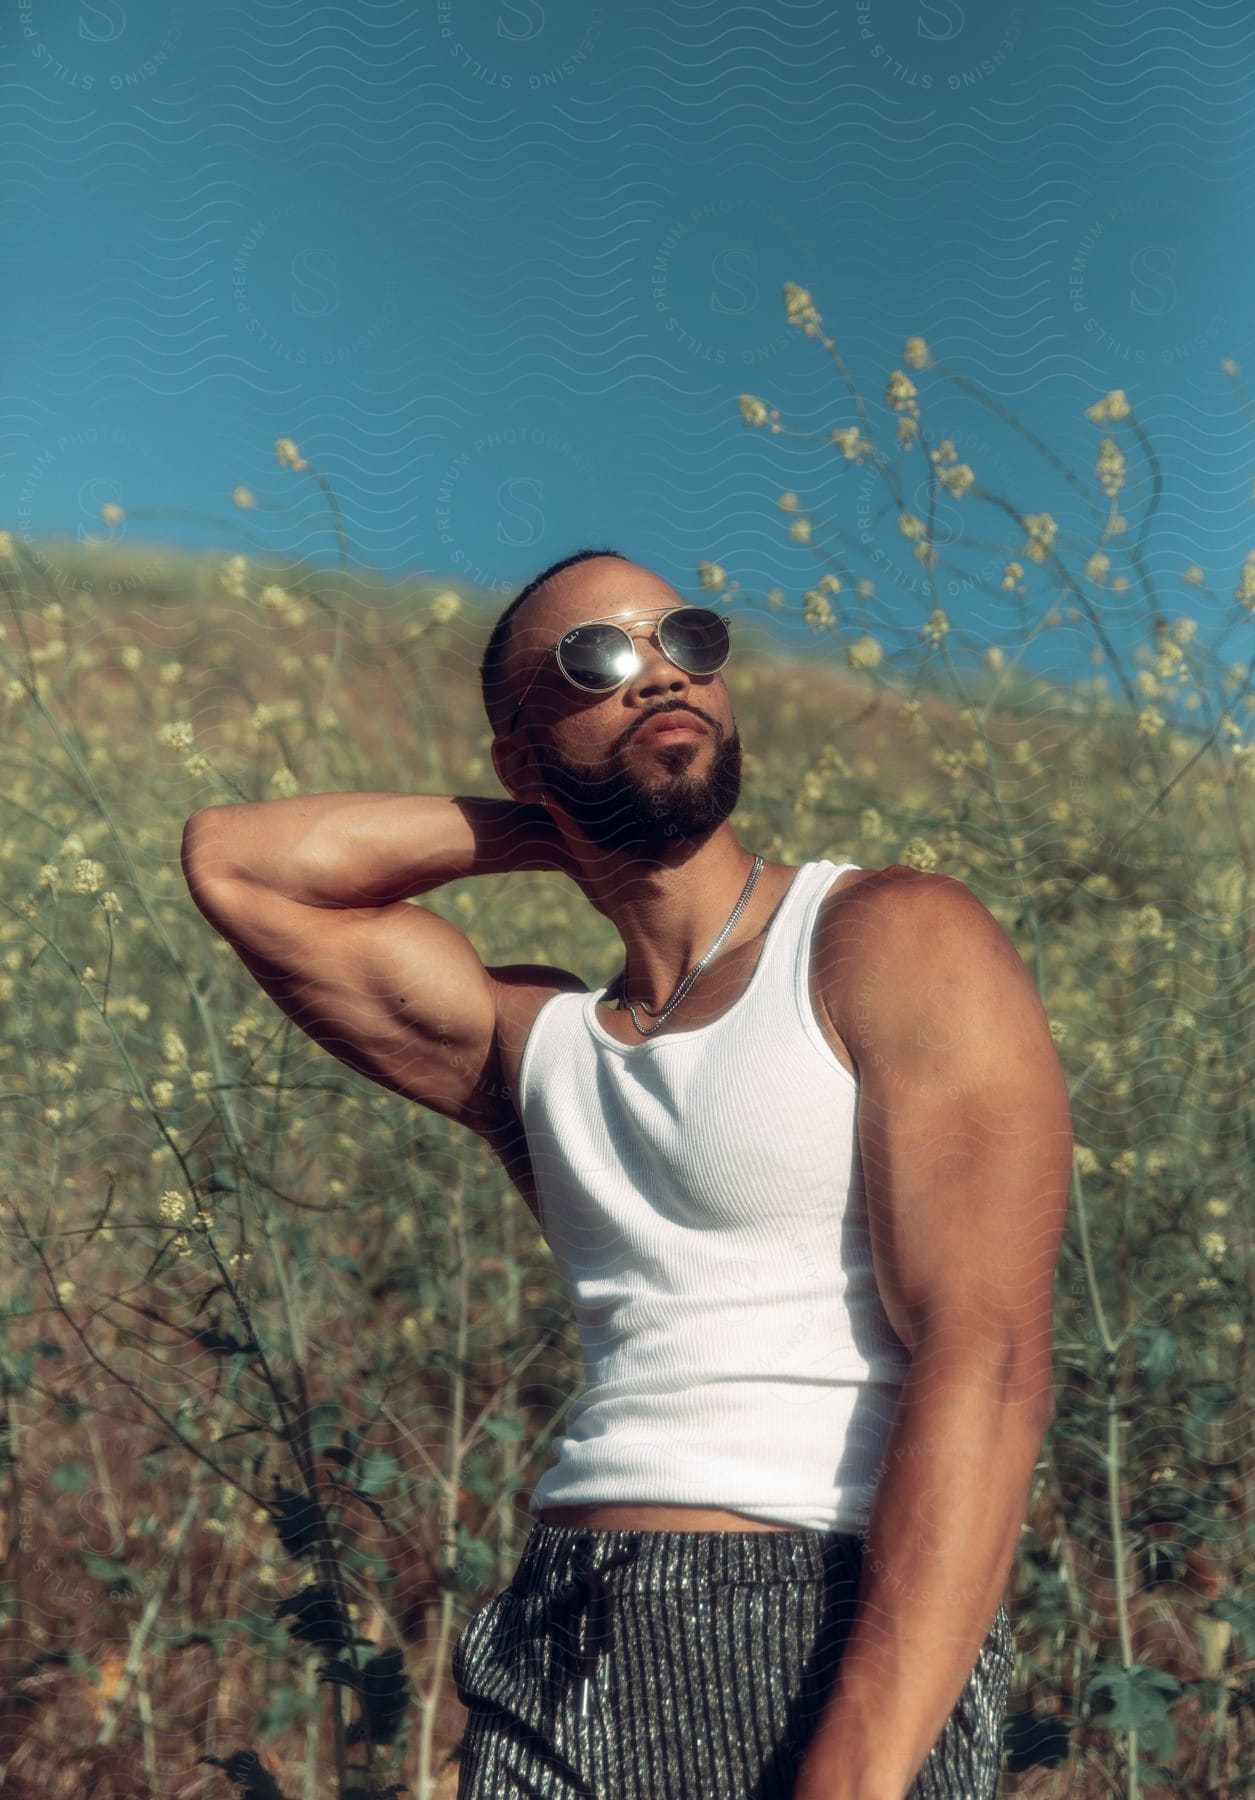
pixel 599 656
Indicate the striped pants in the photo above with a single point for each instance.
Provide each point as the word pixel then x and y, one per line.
pixel 682 1665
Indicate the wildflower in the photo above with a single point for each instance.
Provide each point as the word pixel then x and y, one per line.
pixel 55 614
pixel 131 656
pixel 1109 409
pixel 109 903
pixel 173 1049
pixel 1110 467
pixel 775 600
pixel 1232 1331
pixel 711 575
pixel 232 574
pixel 1244 592
pixel 53 1116
pixel 202 1080
pixel 6 545
pixel 1214 1245
pixel 1083 1159
pixel 1098 566
pixel 172 1205
pixel 864 589
pixel 203 1221
pixel 1013 572
pixel 900 393
pixel 994 659
pixel 935 627
pixel 752 411
pixel 817 610
pixel 170 672
pixel 1149 722
pixel 1041 535
pixel 910 526
pixel 111 514
pixel 447 605
pixel 870 823
pixel 788 502
pixel 1148 922
pixel 848 441
pixel 830 583
pixel 800 531
pixel 196 764
pixel 88 876
pixel 177 734
pixel 956 480
pixel 865 654
pixel 289 457
pixel 1207 1284
pixel 243 497
pixel 1193 575
pixel 274 597
pixel 247 1022
pixel 916 352
pixel 799 308
pixel 48 875
pixel 162 1093
pixel 919 854
pixel 283 781
pixel 1125 1163
pixel 1229 366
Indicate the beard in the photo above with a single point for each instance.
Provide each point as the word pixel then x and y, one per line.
pixel 646 798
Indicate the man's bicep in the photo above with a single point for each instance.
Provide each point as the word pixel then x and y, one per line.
pixel 965 1138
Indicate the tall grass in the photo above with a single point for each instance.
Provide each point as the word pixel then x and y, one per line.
pixel 281 1355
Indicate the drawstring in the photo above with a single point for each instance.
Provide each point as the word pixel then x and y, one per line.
pixel 589 1629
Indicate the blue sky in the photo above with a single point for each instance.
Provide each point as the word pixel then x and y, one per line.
pixel 503 269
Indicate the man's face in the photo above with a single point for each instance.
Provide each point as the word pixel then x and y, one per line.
pixel 625 792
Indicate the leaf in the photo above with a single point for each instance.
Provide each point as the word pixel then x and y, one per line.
pixel 107 1568
pixel 1139 1696
pixel 283 1707
pixel 297 1519
pixel 317 1619
pixel 378 1471
pixel 245 1770
pixel 1241 1615
pixel 385 1691
pixel 508 1429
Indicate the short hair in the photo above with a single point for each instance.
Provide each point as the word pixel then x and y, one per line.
pixel 492 668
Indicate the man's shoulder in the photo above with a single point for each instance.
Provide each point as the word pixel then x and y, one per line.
pixel 892 924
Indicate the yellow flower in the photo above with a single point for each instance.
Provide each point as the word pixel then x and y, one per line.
pixel 788 502
pixel 283 781
pixel 6 544
pixel 172 1205
pixel 752 411
pixel 799 308
pixel 711 575
pixel 918 853
pixel 1109 409
pixel 957 480
pixel 274 597
pixel 1214 1245
pixel 817 610
pixel 1083 1159
pixel 935 627
pixel 1149 722
pixel 848 441
pixel 1110 467
pixel 89 876
pixel 1229 366
pixel 244 497
pixel 800 531
pixel 865 654
pixel 900 393
pixel 131 656
pixel 162 1093
pixel 1041 535
pixel 446 606
pixel 916 352
pixel 864 589
pixel 288 456
pixel 1014 572
pixel 178 734
pixel 1244 592
pixel 910 526
pixel 1232 1331
pixel 232 574
pixel 111 514
pixel 994 659
pixel 1193 575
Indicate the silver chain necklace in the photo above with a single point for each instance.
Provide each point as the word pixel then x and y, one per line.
pixel 695 971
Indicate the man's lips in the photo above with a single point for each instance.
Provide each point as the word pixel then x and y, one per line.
pixel 672 721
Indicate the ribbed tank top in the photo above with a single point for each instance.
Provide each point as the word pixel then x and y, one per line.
pixel 702 1195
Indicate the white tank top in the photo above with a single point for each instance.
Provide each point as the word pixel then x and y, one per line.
pixel 702 1195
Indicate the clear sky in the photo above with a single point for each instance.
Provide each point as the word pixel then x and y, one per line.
pixel 502 269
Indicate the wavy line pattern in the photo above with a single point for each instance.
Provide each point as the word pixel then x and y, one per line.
pixel 503 269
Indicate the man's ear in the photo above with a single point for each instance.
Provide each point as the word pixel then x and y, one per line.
pixel 509 759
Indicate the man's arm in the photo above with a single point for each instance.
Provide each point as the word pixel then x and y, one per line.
pixel 965 1135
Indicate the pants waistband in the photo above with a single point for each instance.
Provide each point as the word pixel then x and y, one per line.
pixel 626 1561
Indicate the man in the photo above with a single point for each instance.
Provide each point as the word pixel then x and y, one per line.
pixel 804 1165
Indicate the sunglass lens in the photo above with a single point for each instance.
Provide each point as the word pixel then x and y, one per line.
pixel 599 657
pixel 697 638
